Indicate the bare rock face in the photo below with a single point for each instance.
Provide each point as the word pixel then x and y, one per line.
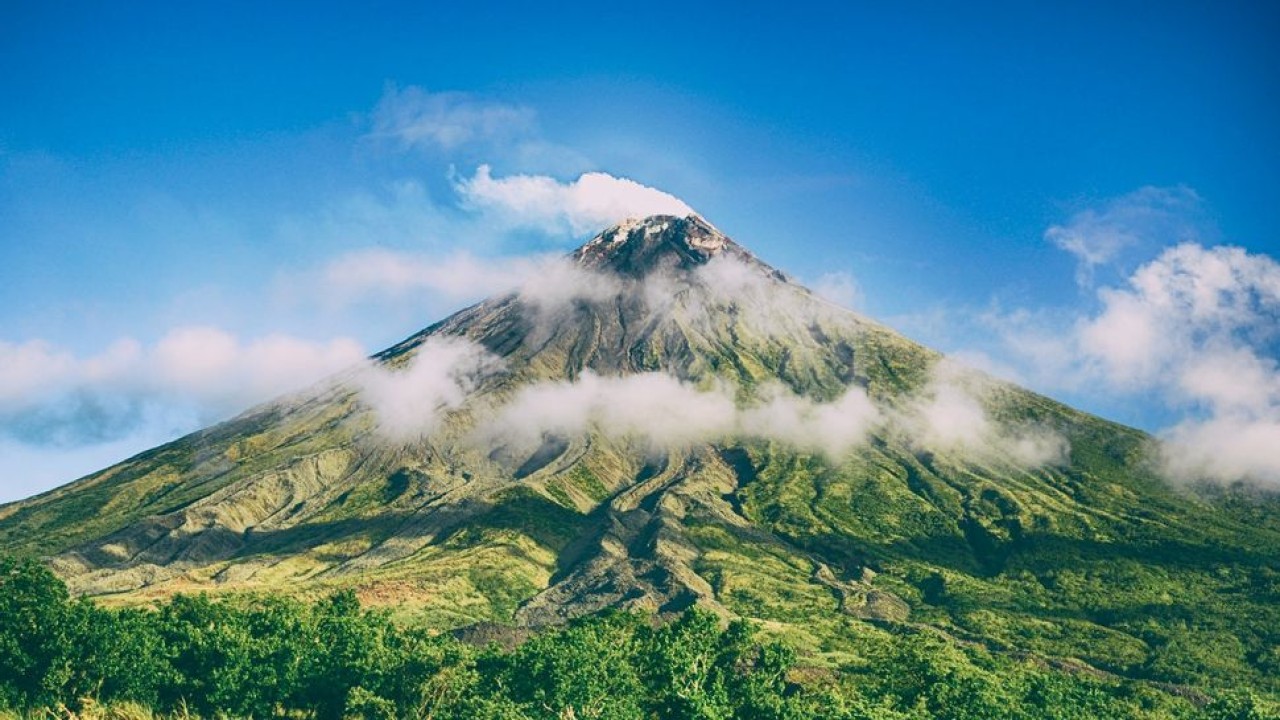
pixel 639 247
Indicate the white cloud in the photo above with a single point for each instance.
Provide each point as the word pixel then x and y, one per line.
pixel 1096 236
pixel 1232 380
pixel 762 301
pixel 839 288
pixel 665 412
pixel 588 204
pixel 1201 326
pixel 48 394
pixel 555 283
pixel 404 214
pixel 416 118
pixel 1192 307
pixel 35 372
pixel 949 416
pixel 833 428
pixel 217 369
pixel 1125 339
pixel 546 281
pixel 651 407
pixel 1197 329
pixel 410 401
pixel 28 369
pixel 456 276
pixel 1225 448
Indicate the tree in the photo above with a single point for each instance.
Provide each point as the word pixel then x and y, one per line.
pixel 583 671
pixel 36 650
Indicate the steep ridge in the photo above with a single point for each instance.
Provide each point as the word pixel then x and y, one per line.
pixel 1041 529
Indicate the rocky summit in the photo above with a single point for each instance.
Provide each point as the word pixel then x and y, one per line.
pixel 662 420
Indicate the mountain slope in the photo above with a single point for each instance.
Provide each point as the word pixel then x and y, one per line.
pixel 916 495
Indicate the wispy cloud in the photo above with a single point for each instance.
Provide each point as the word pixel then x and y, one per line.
pixel 412 117
pixel 1097 236
pixel 949 416
pixel 392 274
pixel 466 127
pixel 638 406
pixel 833 428
pixel 400 212
pixel 839 288
pixel 409 402
pixel 391 278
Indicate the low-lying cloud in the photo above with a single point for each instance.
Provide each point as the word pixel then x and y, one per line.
pixel 752 293
pixel 664 412
pixel 949 416
pixel 653 407
pixel 838 287
pixel 409 402
pixel 833 428
pixel 661 412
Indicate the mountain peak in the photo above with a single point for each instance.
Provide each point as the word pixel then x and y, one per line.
pixel 637 246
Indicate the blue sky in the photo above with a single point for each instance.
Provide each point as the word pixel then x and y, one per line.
pixel 1006 181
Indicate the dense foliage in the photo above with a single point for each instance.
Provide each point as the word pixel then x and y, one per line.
pixel 272 656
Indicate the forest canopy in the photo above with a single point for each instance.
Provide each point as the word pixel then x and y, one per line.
pixel 272 656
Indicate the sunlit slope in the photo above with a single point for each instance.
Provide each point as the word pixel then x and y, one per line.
pixel 1088 557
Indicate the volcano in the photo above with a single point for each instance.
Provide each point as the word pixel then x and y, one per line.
pixel 663 420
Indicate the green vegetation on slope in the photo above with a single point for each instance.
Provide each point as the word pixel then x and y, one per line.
pixel 1136 580
pixel 271 657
